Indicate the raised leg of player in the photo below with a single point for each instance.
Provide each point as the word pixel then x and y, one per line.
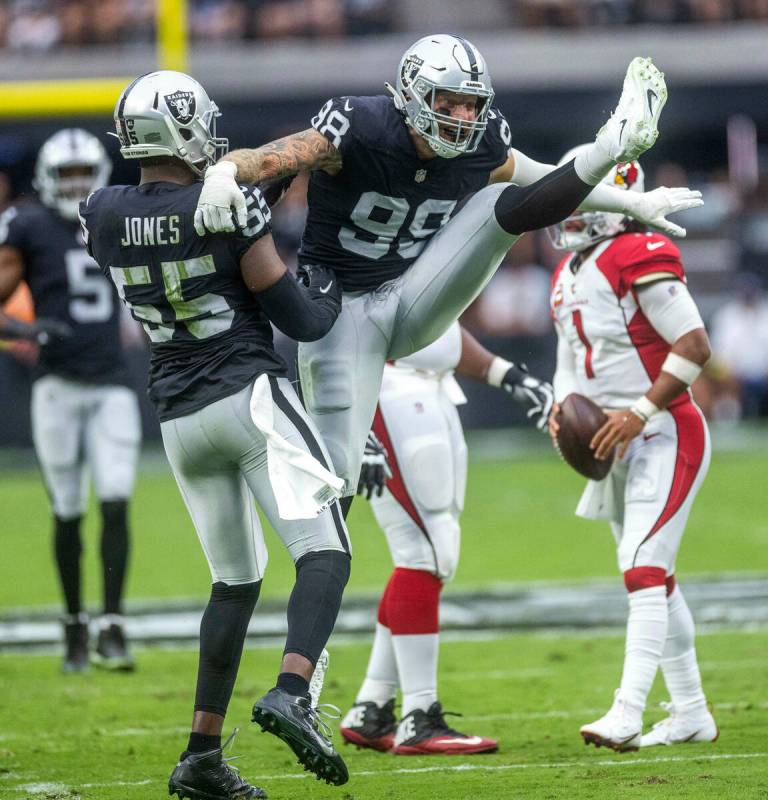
pixel 341 376
pixel 660 476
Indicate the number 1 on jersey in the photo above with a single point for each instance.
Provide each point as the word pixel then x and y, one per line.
pixel 579 325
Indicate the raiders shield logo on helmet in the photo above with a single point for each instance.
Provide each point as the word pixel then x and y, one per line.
pixel 182 106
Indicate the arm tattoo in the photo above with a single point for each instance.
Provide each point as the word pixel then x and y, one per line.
pixel 300 152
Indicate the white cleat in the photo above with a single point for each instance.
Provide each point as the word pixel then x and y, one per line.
pixel 620 729
pixel 680 728
pixel 633 126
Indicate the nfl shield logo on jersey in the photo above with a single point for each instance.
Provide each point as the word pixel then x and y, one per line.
pixel 182 106
pixel 420 175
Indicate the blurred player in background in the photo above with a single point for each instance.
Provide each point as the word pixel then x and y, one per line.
pixel 85 418
pixel 630 337
pixel 387 173
pixel 232 425
pixel 418 431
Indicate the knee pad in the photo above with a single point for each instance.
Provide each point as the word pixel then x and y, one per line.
pixel 639 578
pixel 428 470
pixel 445 533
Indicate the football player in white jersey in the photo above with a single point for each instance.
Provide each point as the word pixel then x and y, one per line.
pixel 417 428
pixel 630 338
pixel 386 175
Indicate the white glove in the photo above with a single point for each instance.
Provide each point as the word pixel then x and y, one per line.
pixel 652 208
pixel 220 197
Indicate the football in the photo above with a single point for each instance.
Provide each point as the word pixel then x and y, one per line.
pixel 579 419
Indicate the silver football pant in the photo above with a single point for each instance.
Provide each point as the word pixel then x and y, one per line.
pixel 80 429
pixel 219 459
pixel 341 373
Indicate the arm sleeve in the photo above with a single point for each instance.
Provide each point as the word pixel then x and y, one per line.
pixel 669 307
pixel 302 313
pixel 259 221
pixel 564 381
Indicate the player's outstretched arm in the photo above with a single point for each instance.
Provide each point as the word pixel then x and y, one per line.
pixel 482 365
pixel 649 208
pixel 11 271
pixel 221 197
pixel 304 310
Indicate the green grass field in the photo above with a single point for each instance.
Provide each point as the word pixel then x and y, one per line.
pixel 104 737
pixel 116 737
pixel 518 526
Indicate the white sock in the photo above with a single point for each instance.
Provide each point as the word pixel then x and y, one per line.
pixel 646 634
pixel 678 661
pixel 380 684
pixel 417 667
pixel 593 163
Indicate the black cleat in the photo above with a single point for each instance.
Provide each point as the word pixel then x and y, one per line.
pixel 370 725
pixel 112 650
pixel 76 643
pixel 293 719
pixel 208 776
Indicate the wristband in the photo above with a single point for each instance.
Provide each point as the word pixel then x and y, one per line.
pixel 644 409
pixel 683 369
pixel 496 372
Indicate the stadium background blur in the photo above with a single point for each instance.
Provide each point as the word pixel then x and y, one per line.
pixel 557 66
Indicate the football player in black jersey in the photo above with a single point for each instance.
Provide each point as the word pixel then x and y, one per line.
pixel 85 418
pixel 387 175
pixel 232 425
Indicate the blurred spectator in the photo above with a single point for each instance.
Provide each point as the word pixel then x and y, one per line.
pixel 516 300
pixel 754 230
pixel 739 332
pixel 34 25
pixel 218 20
pixel 313 18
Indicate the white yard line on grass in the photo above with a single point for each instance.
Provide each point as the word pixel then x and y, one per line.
pixel 628 761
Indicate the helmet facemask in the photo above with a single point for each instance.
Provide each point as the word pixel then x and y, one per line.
pixel 443 64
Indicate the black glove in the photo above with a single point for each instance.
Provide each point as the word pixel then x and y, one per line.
pixel 375 470
pixel 42 331
pixel 534 394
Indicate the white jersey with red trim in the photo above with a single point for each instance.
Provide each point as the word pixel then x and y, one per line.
pixel 428 370
pixel 618 353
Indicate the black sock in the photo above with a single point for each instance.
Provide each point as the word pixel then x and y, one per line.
pixel 346 504
pixel 315 601
pixel 201 743
pixel 293 683
pixel 114 553
pixel 222 634
pixel 68 548
pixel 548 201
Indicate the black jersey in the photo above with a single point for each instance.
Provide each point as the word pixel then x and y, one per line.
pixel 371 220
pixel 67 285
pixel 208 335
